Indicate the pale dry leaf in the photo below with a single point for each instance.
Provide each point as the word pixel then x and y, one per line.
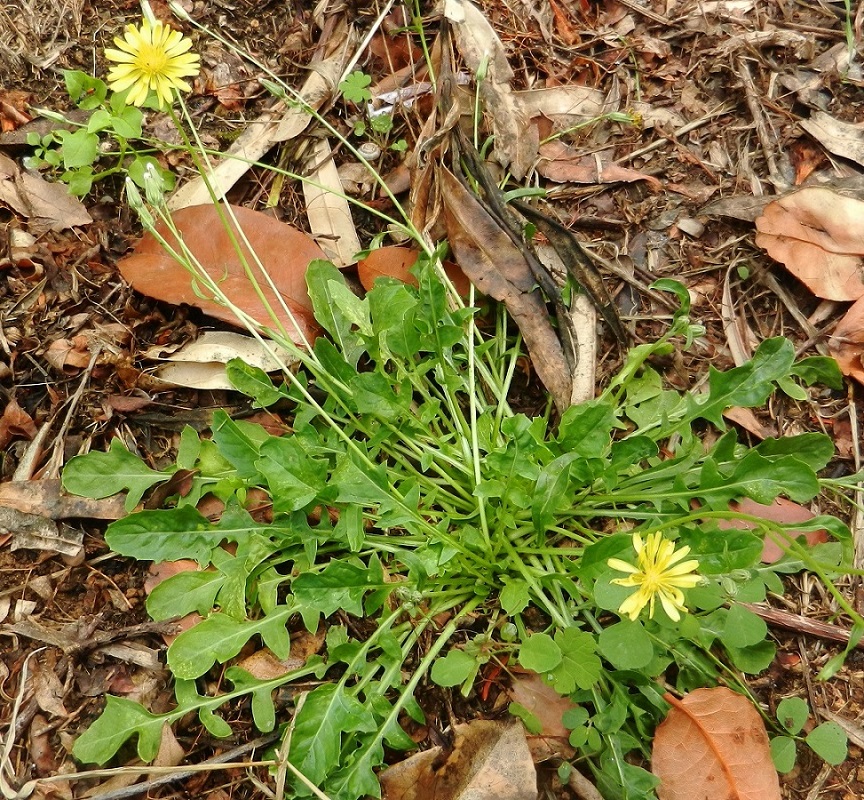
pixel 578 326
pixel 285 121
pixel 488 761
pixel 201 364
pixel 283 251
pixel 844 139
pixel 328 211
pixel 739 335
pixel 516 140
pixel 48 688
pixel 35 532
pixel 819 236
pixel 713 745
pixel 47 499
pixel 564 105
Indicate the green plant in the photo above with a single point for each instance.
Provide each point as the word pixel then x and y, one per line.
pixel 413 499
pixel 74 151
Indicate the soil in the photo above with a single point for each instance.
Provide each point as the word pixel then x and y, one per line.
pixel 669 62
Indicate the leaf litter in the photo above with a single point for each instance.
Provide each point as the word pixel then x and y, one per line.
pixel 633 209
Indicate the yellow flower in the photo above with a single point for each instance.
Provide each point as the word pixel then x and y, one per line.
pixel 657 574
pixel 153 57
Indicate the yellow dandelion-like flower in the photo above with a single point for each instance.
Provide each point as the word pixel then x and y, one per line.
pixel 657 573
pixel 153 57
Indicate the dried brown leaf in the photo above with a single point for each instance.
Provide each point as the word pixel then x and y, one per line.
pixel 497 268
pixel 563 164
pixel 713 745
pixel 846 342
pixel 284 251
pixel 819 236
pixel 488 761
pixel 844 139
pixel 15 423
pixel 47 206
pixel 516 140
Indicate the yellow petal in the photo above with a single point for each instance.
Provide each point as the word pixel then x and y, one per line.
pixel 621 566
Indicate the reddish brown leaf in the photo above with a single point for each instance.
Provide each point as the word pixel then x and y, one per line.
pixel 819 236
pixel 284 251
pixel 713 745
pixel 15 423
pixel 548 706
pixel 396 262
pixel 781 510
pixel 846 343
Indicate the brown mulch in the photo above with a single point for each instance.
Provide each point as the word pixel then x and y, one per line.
pixel 717 88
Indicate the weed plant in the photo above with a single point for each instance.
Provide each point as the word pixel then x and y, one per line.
pixel 430 530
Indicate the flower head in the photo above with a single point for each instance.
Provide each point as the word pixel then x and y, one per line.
pixel 657 573
pixel 153 57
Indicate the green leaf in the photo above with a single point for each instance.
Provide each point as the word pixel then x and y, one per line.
pixel 792 713
pixel 239 442
pixel 80 149
pixel 529 720
pixel 220 637
pixel 454 668
pixel 341 585
pixel 321 277
pixel 99 120
pixel 819 369
pixel 551 493
pixel 783 753
pixel 626 645
pixel 127 123
pixel 86 92
pixel 253 382
pixel 165 535
pixel 355 87
pixel 327 714
pixel 184 593
pixel 514 597
pixel 829 742
pixel 263 709
pixel 540 653
pixel 586 428
pixel 720 552
pixel 99 475
pixel 743 628
pixel 80 181
pixel 580 667
pixel 121 720
pixel 293 477
pixel 752 659
pixel 748 385
pixel 814 449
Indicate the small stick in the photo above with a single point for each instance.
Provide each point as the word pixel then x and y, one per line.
pixel 800 624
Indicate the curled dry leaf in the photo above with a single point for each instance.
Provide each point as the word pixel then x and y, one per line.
pixel 713 745
pixel 15 423
pixel 284 252
pixel 819 236
pixel 396 262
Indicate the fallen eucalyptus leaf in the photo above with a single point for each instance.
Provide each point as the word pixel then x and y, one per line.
pixel 284 252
